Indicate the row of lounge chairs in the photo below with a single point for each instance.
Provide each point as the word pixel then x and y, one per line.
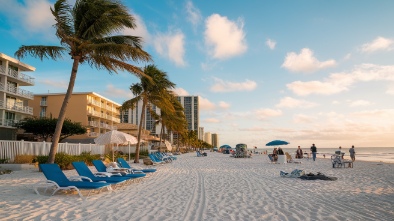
pixel 160 158
pixel 105 178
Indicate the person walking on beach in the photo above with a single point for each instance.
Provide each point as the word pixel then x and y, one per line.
pixel 313 150
pixel 352 153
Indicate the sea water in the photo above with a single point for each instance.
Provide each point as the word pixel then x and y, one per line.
pixel 374 154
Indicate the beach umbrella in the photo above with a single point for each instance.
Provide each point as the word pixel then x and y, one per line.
pixel 115 137
pixel 225 146
pixel 168 145
pixel 277 143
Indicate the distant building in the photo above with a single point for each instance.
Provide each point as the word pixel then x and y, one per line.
pixel 98 113
pixel 191 110
pixel 215 140
pixel 208 138
pixel 201 133
pixel 13 99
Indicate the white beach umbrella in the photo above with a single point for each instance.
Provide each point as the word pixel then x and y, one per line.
pixel 115 137
pixel 168 145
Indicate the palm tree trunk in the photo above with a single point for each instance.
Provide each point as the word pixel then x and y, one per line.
pixel 62 113
pixel 137 148
pixel 161 135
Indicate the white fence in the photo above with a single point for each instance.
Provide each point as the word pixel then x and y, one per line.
pixel 9 149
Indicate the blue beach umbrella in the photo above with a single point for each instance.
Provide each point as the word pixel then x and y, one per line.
pixel 277 143
pixel 225 146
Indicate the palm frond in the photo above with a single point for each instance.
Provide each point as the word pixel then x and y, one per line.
pixel 40 51
pixel 113 65
pixel 63 17
pixel 117 51
pixel 130 103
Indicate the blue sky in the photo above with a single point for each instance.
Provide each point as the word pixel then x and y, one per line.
pixel 303 71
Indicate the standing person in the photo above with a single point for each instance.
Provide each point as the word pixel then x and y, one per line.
pixel 299 153
pixel 280 151
pixel 313 150
pixel 352 153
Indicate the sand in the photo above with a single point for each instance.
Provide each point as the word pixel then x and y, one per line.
pixel 215 187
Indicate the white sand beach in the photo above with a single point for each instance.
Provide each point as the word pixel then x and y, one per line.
pixel 216 187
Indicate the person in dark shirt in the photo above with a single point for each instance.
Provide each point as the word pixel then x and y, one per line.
pixel 313 150
pixel 299 153
pixel 280 151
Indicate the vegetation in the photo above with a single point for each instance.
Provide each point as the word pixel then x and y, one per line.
pixel 86 33
pixel 44 128
pixel 154 88
pixel 64 160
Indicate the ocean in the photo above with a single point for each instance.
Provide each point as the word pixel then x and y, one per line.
pixel 374 154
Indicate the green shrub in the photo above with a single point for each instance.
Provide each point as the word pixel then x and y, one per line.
pixel 65 160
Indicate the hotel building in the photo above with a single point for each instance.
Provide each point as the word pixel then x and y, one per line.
pixel 97 113
pixel 191 110
pixel 215 140
pixel 13 99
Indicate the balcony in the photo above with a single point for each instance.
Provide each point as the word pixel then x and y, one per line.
pixel 16 108
pixel 16 91
pixel 43 103
pixel 94 102
pixel 8 122
pixel 94 113
pixel 20 77
pixel 93 134
pixel 94 123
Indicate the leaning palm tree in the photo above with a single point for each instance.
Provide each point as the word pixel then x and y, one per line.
pixel 155 89
pixel 88 33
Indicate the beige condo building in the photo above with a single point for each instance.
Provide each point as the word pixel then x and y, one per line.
pixel 13 99
pixel 97 113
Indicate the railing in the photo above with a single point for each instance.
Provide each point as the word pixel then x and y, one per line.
pixel 17 91
pixel 43 103
pixel 8 123
pixel 94 102
pixel 94 113
pixel 20 76
pixel 9 149
pixel 17 108
pixel 116 120
pixel 93 123
pixel 2 69
pixel 93 134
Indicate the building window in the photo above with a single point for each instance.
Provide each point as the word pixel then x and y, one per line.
pixel 43 112
pixel 43 101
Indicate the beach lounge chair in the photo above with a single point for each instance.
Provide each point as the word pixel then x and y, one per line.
pixel 337 161
pixel 123 163
pixel 155 159
pixel 290 158
pixel 84 170
pixel 57 179
pixel 271 158
pixel 100 167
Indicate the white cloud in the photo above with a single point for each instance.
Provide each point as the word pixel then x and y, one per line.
pixel 335 102
pixel 359 103
pixel 289 102
pixel 224 105
pixel 112 91
pixel 305 62
pixel 347 56
pixel 390 90
pixel 302 118
pixel 211 120
pixel 265 113
pixel 224 38
pixel 29 17
pixel 194 15
pixel 140 30
pixel 381 114
pixel 62 84
pixel 180 91
pixel 339 82
pixel 171 46
pixel 378 44
pixel 227 86
pixel 271 44
pixel 205 104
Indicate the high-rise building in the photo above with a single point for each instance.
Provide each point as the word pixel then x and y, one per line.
pixel 98 113
pixel 215 140
pixel 13 99
pixel 208 137
pixel 201 133
pixel 190 105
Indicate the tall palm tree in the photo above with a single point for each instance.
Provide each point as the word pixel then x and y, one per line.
pixel 88 33
pixel 154 88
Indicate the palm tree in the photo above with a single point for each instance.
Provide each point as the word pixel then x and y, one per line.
pixel 154 89
pixel 87 32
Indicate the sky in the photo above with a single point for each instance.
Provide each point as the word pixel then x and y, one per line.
pixel 302 71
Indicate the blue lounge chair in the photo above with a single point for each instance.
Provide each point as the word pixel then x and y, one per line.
pixel 57 179
pixel 84 170
pixel 123 163
pixel 100 167
pixel 155 159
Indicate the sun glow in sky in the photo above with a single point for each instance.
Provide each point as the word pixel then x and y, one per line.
pixel 302 71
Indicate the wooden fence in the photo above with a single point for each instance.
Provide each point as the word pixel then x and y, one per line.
pixel 9 149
